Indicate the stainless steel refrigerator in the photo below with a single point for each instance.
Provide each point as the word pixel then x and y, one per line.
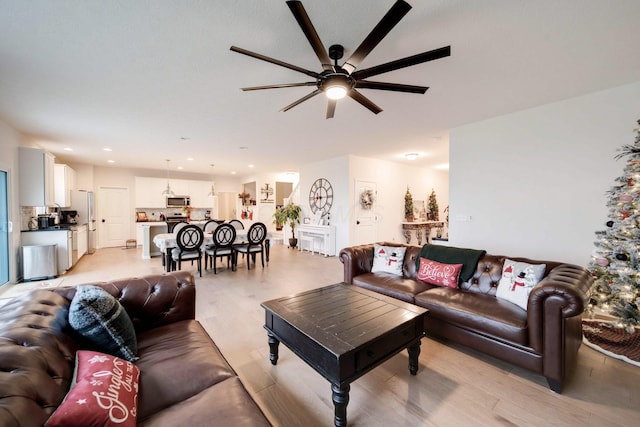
pixel 84 203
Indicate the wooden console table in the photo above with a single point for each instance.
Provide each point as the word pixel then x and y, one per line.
pixel 421 228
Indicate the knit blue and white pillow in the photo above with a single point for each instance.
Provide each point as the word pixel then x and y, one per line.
pixel 100 319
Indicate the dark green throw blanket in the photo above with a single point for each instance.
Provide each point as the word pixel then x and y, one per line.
pixel 450 255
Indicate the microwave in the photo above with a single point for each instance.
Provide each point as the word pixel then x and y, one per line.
pixel 178 201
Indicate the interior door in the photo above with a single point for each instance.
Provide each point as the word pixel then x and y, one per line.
pixel 366 226
pixel 114 216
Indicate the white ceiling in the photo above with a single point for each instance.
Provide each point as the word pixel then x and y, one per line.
pixel 139 76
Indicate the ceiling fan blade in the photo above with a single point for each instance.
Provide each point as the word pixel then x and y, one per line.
pixel 396 87
pixel 402 63
pixel 363 100
pixel 307 28
pixel 280 86
pixel 301 100
pixel 274 61
pixel 386 24
pixel 331 108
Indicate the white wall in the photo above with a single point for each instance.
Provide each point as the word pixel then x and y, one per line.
pixel 534 181
pixel 391 179
pixel 9 142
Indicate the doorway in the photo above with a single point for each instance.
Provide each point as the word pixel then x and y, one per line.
pixel 113 215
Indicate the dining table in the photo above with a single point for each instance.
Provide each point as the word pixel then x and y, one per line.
pixel 167 241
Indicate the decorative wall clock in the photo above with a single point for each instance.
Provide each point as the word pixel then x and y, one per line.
pixel 321 196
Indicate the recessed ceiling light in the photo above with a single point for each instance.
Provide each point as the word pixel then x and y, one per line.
pixel 190 159
pixel 180 168
pixel 444 166
pixel 233 172
pixel 68 149
pixel 111 161
pixel 244 148
pixel 107 149
pixel 184 138
pixel 250 166
pixel 411 156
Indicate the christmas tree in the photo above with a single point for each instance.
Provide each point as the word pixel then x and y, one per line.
pixel 615 263
pixel 433 214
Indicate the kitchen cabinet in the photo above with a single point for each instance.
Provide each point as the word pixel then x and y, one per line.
pixel 36 175
pixel 81 240
pixel 149 192
pixel 64 181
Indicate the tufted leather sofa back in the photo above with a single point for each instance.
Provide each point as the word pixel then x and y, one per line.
pixel 37 352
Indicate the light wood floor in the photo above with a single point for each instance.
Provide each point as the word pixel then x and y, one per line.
pixel 454 386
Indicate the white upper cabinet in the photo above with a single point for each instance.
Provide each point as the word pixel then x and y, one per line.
pixel 149 192
pixel 65 179
pixel 36 177
pixel 199 190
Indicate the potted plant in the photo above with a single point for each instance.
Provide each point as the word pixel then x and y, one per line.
pixel 408 206
pixel 290 213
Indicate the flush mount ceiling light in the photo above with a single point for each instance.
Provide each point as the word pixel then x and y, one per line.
pixel 167 191
pixel 411 156
pixel 212 192
pixel 338 81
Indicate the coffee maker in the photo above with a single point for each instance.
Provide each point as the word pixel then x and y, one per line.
pixel 69 217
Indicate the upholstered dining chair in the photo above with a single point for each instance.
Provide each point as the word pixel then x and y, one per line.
pixel 209 226
pixel 256 235
pixel 189 241
pixel 237 224
pixel 178 226
pixel 223 238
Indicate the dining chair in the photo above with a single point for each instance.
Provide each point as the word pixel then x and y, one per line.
pixel 209 226
pixel 256 235
pixel 237 224
pixel 189 241
pixel 177 226
pixel 223 238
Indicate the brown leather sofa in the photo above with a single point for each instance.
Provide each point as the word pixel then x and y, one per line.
pixel 544 338
pixel 184 379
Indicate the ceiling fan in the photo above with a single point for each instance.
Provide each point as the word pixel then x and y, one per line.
pixel 338 81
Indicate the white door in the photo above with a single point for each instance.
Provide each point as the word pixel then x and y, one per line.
pixel 113 216
pixel 366 226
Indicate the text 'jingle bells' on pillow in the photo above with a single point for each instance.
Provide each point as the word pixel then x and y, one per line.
pixel 388 259
pixel 518 278
pixel 439 274
pixel 104 393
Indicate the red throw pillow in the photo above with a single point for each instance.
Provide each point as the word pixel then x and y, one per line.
pixel 104 393
pixel 435 273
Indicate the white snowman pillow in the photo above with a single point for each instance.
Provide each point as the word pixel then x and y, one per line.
pixel 518 278
pixel 388 259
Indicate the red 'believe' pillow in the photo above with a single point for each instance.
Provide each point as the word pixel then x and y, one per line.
pixel 439 274
pixel 104 393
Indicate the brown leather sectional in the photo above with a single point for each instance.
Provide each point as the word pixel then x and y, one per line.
pixel 544 339
pixel 184 378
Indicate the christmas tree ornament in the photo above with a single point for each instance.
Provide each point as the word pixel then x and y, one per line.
pixel 609 223
pixel 602 262
pixel 626 198
pixel 625 214
pixel 622 257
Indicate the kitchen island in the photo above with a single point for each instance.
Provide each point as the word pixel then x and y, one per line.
pixel 145 232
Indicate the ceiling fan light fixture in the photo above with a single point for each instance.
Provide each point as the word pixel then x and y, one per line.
pixel 336 92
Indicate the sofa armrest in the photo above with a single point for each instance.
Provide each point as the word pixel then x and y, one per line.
pixel 357 260
pixel 153 300
pixel 562 294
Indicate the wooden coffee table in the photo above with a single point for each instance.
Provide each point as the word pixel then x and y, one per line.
pixel 343 331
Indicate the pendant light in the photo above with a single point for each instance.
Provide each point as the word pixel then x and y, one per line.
pixel 212 193
pixel 167 191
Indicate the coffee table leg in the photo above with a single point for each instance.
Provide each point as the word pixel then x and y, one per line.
pixel 414 352
pixel 340 398
pixel 273 348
